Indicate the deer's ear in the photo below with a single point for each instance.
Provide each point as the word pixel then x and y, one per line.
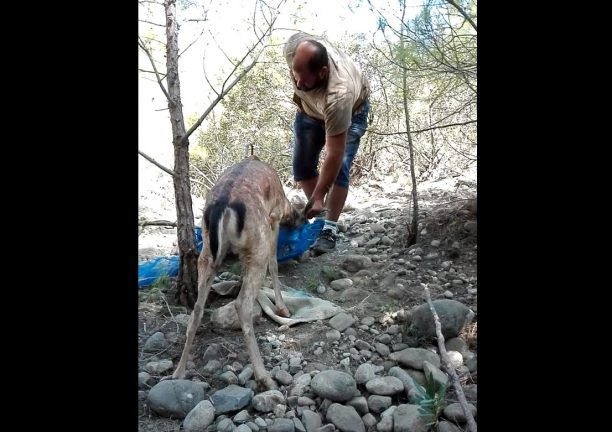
pixel 299 205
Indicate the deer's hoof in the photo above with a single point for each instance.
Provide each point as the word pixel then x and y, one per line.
pixel 283 312
pixel 267 383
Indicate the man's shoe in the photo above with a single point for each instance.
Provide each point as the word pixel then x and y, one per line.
pixel 326 242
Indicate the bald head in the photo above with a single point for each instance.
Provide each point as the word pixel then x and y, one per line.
pixel 310 65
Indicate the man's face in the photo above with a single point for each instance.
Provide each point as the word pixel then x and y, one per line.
pixel 305 79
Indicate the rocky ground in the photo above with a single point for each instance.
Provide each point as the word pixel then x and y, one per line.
pixel 358 371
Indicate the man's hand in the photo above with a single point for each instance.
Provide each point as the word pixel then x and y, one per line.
pixel 316 209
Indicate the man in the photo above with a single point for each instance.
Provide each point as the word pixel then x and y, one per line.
pixel 331 94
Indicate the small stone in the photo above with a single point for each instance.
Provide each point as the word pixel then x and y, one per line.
pixel 200 417
pixel 158 367
pixel 341 284
pixel 367 321
pixel 229 377
pixel 333 335
pixel 266 401
pixel 341 321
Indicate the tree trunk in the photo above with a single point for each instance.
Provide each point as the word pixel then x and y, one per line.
pixel 188 272
pixel 413 234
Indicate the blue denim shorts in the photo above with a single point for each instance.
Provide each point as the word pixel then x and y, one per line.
pixel 309 141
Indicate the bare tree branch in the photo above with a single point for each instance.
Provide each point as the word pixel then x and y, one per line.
pixel 225 90
pixel 154 162
pixel 159 79
pixel 462 12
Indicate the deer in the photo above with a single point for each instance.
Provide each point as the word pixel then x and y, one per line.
pixel 242 215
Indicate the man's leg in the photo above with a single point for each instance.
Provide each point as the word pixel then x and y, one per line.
pixel 308 186
pixel 335 202
pixel 337 195
pixel 309 136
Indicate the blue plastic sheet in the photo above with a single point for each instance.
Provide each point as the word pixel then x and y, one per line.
pixel 291 244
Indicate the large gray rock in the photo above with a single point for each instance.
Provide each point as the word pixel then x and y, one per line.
pixel 456 344
pixel 454 412
pixel 378 404
pixel 282 425
pixel 414 358
pixel 175 398
pixel 445 426
pixel 406 418
pixel 360 404
pixel 345 418
pixel 156 342
pixel 453 317
pixel 364 373
pixel 200 417
pixel 404 377
pixel 386 420
pixel 334 385
pixel 311 420
pixel 385 386
pixel 439 377
pixel 369 421
pixel 231 398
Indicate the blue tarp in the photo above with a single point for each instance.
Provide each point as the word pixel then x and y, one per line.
pixel 291 244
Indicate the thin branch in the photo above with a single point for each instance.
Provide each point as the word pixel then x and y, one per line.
pixel 159 79
pixel 151 72
pixel 154 162
pixel 208 81
pixel 157 223
pixel 194 41
pixel 449 368
pixel 221 49
pixel 211 183
pixel 422 130
pixel 152 23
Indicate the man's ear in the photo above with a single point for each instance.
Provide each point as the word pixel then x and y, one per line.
pixel 323 72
